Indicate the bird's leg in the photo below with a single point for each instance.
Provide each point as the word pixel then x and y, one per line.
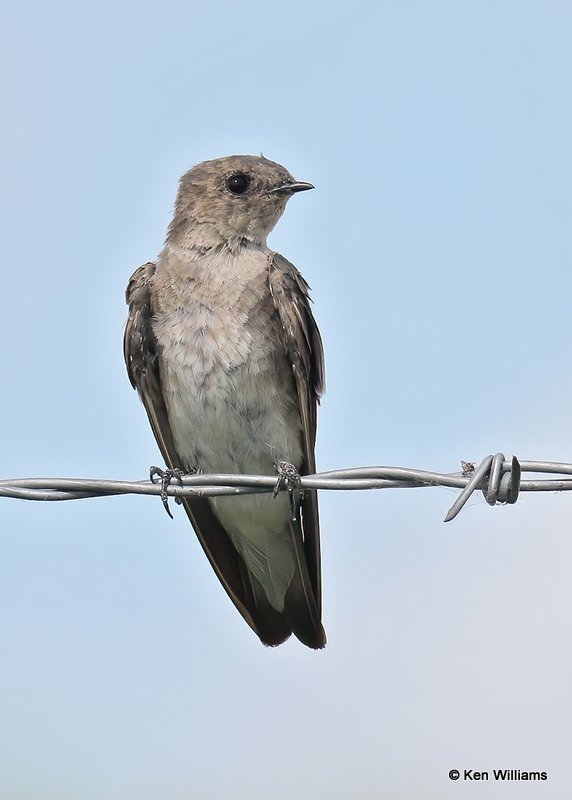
pixel 167 476
pixel 289 478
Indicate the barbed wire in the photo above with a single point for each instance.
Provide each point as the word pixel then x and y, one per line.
pixel 500 481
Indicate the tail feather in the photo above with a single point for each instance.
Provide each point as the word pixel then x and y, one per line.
pixel 302 614
pixel 301 607
pixel 272 627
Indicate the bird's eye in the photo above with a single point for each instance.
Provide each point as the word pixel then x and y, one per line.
pixel 238 183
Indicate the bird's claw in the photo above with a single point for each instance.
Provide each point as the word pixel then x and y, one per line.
pixel 288 478
pixel 167 476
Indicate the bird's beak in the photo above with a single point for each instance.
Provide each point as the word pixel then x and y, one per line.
pixel 290 188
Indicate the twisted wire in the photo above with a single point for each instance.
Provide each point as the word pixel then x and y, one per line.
pixel 499 479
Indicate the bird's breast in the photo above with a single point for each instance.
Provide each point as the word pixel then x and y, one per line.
pixel 227 383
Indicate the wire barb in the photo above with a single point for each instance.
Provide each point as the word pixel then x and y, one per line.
pixel 498 479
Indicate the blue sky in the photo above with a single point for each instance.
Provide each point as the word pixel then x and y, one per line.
pixel 437 245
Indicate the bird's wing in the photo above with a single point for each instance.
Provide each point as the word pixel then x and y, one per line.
pixel 305 352
pixel 142 356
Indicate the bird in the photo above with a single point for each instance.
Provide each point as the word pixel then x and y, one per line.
pixel 223 349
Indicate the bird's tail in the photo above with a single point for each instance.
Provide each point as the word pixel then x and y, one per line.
pixel 299 616
pixel 285 599
pixel 302 614
pixel 301 606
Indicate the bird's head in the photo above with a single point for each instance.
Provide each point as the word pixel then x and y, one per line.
pixel 231 200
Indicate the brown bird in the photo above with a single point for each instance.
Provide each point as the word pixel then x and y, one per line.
pixel 226 356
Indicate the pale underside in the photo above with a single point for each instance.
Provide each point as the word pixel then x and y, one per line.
pixel 230 396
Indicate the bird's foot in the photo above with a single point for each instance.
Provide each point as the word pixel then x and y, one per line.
pixel 288 477
pixel 167 476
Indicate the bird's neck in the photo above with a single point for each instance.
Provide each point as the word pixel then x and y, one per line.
pixel 192 245
pixel 186 234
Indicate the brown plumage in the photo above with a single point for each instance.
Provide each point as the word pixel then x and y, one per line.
pixel 225 354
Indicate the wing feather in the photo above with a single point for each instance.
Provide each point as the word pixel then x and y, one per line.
pixel 305 351
pixel 140 349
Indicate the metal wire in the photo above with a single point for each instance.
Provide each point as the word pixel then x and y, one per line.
pixel 498 479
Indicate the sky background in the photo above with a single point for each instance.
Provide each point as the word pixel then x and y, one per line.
pixel 437 245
